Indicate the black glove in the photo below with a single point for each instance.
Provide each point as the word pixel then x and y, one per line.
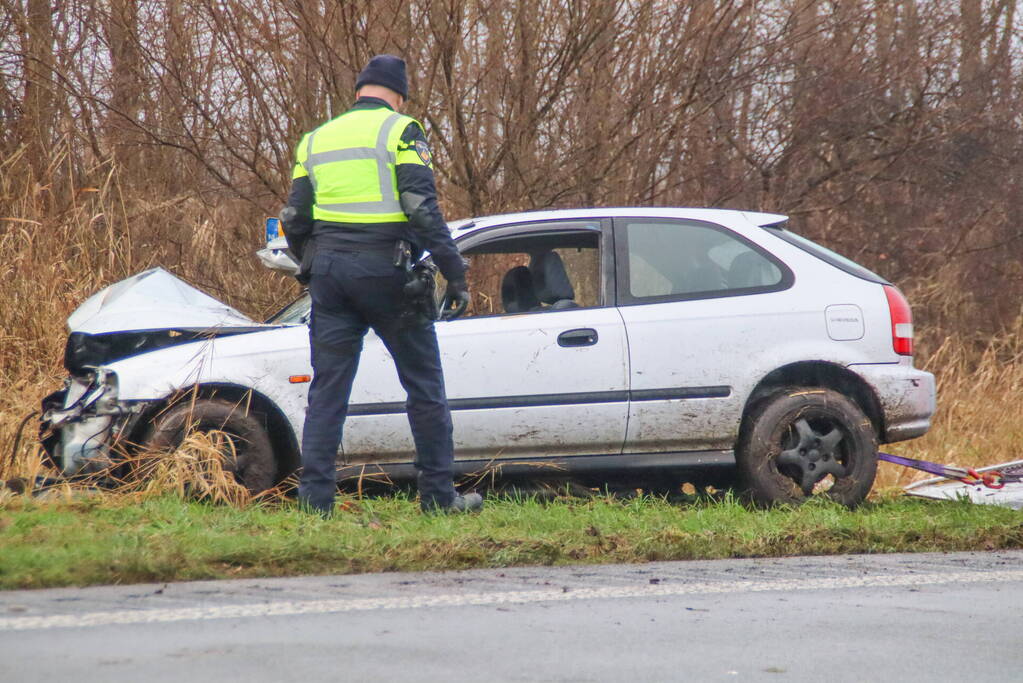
pixel 457 296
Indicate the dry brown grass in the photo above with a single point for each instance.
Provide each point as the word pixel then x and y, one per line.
pixel 980 406
pixel 62 241
pixel 193 471
pixel 59 244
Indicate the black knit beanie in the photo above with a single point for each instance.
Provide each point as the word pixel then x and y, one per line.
pixel 385 70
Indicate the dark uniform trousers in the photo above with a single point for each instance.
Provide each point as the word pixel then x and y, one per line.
pixel 353 291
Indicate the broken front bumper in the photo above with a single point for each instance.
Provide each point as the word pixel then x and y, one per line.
pixel 81 422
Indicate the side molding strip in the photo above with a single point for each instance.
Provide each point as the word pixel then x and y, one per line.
pixel 536 400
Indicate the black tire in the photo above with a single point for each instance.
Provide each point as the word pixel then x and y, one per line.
pixel 796 442
pixel 253 466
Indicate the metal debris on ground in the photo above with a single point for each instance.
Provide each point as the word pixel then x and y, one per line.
pixel 992 485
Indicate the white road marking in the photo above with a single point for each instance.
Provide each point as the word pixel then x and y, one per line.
pixel 290 608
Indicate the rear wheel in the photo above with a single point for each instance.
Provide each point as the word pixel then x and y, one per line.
pixel 803 442
pixel 249 455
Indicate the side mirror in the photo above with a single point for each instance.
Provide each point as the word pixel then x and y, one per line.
pixel 275 255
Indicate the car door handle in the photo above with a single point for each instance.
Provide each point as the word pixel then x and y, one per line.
pixel 584 336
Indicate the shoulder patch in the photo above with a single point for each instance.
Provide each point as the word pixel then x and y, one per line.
pixel 424 152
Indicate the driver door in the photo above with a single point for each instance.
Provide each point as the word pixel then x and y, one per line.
pixel 537 367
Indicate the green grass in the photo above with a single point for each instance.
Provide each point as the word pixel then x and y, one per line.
pixel 101 540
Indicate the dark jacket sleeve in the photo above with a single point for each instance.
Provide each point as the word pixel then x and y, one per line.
pixel 432 234
pixel 301 198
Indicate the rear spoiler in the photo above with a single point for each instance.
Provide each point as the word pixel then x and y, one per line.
pixel 765 220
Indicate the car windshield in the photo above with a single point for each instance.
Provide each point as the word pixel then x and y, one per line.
pixel 295 313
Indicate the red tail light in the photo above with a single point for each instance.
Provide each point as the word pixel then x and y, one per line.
pixel 902 321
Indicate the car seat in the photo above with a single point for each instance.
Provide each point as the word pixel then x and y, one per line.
pixel 750 269
pixel 517 292
pixel 551 281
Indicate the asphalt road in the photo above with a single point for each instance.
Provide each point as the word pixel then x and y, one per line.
pixel 849 618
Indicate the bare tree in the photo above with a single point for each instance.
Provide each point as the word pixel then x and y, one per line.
pixel 889 130
pixel 38 114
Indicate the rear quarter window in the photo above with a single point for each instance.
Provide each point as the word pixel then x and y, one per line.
pixel 824 254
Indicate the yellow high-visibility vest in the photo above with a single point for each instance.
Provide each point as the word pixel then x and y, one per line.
pixel 351 160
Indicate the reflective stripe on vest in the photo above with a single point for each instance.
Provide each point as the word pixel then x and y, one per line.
pixel 385 159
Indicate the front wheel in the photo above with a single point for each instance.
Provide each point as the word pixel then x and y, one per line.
pixel 249 456
pixel 803 442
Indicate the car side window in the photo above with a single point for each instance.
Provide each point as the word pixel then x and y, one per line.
pixel 535 272
pixel 661 259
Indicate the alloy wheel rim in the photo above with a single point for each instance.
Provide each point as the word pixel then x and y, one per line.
pixel 812 449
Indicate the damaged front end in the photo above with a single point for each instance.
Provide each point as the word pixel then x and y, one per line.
pixel 83 422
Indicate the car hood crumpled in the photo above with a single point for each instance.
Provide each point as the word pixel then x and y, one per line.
pixel 153 299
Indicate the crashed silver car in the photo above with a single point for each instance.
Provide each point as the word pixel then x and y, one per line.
pixel 600 341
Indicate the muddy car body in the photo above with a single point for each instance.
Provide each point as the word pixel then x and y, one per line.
pixel 600 340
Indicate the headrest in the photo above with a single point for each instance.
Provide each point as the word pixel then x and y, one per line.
pixel 517 292
pixel 549 278
pixel 748 269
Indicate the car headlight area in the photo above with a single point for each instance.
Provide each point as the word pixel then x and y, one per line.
pixel 81 421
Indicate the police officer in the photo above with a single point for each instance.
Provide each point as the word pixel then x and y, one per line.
pixel 346 186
